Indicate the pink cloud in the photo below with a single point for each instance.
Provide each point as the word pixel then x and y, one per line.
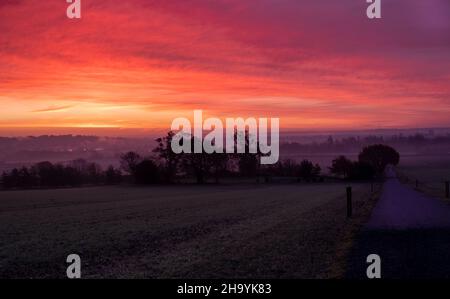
pixel 234 56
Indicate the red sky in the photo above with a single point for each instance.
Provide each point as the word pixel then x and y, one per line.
pixel 141 63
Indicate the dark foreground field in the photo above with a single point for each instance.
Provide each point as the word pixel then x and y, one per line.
pixel 405 254
pixel 242 231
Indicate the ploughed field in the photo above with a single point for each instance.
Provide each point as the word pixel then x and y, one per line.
pixel 186 231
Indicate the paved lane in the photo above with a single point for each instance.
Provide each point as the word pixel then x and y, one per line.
pixel 409 231
pixel 401 207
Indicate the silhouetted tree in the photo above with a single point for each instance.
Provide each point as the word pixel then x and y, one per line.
pixel 112 176
pixel 46 173
pixel 361 171
pixel 197 164
pixel 316 171
pixel 379 156
pixel 6 181
pixel 129 161
pixel 341 166
pixel 170 160
pixel 25 178
pixel 72 177
pixel 248 163
pixel 308 171
pixel 94 173
pixel 219 164
pixel 147 173
pixel 289 168
pixel 12 179
pixel 59 177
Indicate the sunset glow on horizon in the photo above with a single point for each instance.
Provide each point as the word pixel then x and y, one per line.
pixel 140 64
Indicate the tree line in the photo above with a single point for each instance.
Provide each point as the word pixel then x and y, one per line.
pixel 163 166
pixel 48 175
pixel 354 143
pixel 371 163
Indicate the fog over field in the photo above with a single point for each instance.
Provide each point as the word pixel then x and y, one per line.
pixel 319 147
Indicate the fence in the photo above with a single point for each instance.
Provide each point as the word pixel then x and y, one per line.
pixel 433 187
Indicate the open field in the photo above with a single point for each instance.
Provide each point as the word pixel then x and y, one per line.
pixel 223 231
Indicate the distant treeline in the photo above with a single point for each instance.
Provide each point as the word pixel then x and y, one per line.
pixel 346 144
pixel 164 166
pixel 47 175
pixel 332 143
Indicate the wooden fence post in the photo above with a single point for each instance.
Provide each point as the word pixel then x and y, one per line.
pixel 349 202
pixel 447 191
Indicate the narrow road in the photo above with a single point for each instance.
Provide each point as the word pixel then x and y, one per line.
pixel 409 231
pixel 401 207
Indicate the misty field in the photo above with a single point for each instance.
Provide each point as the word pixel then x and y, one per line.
pixel 212 231
pixel 430 172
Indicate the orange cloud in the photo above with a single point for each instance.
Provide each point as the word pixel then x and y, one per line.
pixel 52 109
pixel 139 64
